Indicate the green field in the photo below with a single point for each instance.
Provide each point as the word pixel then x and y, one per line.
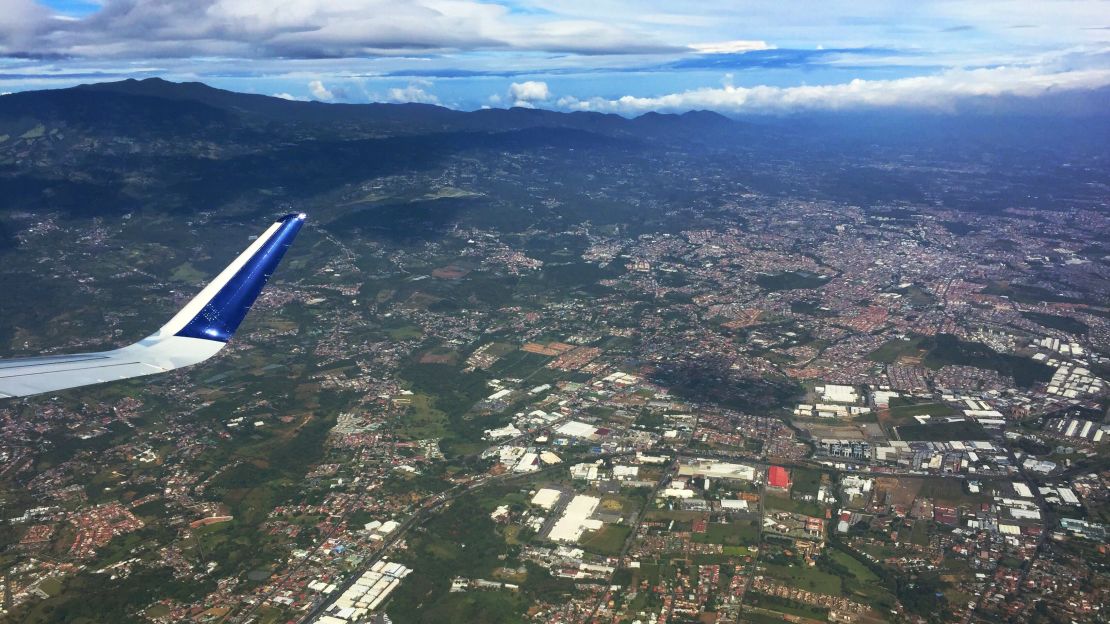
pixel 186 272
pixel 890 351
pixel 758 601
pixel 676 515
pixel 805 482
pixel 919 535
pixel 858 582
pixel 804 577
pixel 452 393
pixel 90 598
pixel 1023 293
pixel 741 533
pixel 422 420
pixel 790 280
pixel 944 349
pixel 1063 323
pixel 462 541
pixel 941 432
pixel 405 332
pixel 918 297
pixel 758 615
pixel 908 411
pixel 785 503
pixel 609 540
pixel 951 492
pixel 479 607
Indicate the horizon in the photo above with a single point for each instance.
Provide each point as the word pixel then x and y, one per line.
pixel 1083 107
pixel 537 312
pixel 618 57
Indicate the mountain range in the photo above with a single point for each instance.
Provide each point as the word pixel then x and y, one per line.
pixel 159 105
pixel 113 147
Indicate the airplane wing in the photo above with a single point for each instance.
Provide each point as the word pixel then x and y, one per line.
pixel 193 335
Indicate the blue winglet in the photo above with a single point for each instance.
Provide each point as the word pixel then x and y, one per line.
pixel 222 315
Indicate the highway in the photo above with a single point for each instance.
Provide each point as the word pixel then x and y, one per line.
pixel 422 515
pixel 439 502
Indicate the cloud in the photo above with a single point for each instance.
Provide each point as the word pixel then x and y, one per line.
pixel 414 92
pixel 942 91
pixel 529 93
pixel 286 96
pixel 589 37
pixel 738 46
pixel 304 29
pixel 21 12
pixel 656 48
pixel 320 92
pixel 776 58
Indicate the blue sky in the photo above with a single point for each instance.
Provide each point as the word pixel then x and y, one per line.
pixel 628 57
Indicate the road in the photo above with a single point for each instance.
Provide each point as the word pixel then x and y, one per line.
pixel 755 560
pixel 346 512
pixel 665 478
pixel 425 513
pixel 555 513
pixel 439 502
pixel 1043 507
pixel 803 463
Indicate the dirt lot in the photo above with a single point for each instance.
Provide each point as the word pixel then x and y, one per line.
pixel 896 491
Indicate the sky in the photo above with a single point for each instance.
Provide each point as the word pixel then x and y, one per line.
pixel 629 57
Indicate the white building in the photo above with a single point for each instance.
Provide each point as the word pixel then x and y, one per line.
pixel 547 498
pixel 576 519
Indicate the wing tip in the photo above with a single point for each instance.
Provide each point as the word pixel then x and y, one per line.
pixel 223 312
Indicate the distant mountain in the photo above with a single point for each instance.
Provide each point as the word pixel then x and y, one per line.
pixel 262 107
pixel 105 110
pixel 113 147
pixel 160 105
pixel 155 108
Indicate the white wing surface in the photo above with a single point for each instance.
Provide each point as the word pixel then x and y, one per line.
pixel 193 335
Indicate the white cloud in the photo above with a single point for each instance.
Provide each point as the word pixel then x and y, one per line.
pixel 738 46
pixel 304 29
pixel 414 92
pixel 286 96
pixel 637 45
pixel 20 20
pixel 918 26
pixel 529 93
pixel 941 91
pixel 320 92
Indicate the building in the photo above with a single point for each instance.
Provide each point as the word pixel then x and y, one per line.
pixel 778 478
pixel 852 449
pixel 716 470
pixel 576 520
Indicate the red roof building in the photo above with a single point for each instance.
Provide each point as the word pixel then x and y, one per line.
pixel 778 477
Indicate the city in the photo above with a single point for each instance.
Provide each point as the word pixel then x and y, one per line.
pixel 597 313
pixel 830 414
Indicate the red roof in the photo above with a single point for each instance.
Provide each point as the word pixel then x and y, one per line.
pixel 778 477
